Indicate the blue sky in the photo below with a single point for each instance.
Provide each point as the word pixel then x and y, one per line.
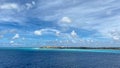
pixel 35 23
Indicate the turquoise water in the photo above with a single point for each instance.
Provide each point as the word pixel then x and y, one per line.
pixel 58 58
pixel 68 50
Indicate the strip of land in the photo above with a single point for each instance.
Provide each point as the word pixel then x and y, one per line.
pixel 61 47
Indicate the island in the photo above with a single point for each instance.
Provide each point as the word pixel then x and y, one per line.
pixel 64 47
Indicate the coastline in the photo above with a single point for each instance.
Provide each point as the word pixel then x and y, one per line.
pixel 62 50
pixel 77 48
pixel 63 47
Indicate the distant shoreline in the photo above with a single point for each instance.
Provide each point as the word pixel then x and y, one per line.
pixel 55 47
pixel 113 48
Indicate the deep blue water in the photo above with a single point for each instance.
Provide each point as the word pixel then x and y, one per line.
pixel 54 58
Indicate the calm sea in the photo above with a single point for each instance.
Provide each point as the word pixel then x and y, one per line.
pixel 55 58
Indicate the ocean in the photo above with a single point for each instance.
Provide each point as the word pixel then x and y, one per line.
pixel 58 58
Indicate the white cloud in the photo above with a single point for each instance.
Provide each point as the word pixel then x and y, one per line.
pixel 37 32
pixel 116 38
pixel 47 31
pixel 69 38
pixel 57 33
pixel 11 19
pixel 16 36
pixel 65 23
pixel 112 33
pixel 9 12
pixel 91 17
pixel 11 42
pixel 9 6
pixel 115 34
pixel 73 34
pixel 66 20
pixel 30 5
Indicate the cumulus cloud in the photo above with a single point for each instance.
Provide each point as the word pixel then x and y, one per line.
pixel 16 36
pixel 38 32
pixel 47 31
pixel 69 38
pixel 73 34
pixel 11 42
pixel 66 20
pixel 65 23
pixel 92 17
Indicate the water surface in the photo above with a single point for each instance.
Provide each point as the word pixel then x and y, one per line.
pixel 58 58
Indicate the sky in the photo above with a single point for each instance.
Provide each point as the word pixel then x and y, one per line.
pixel 36 23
